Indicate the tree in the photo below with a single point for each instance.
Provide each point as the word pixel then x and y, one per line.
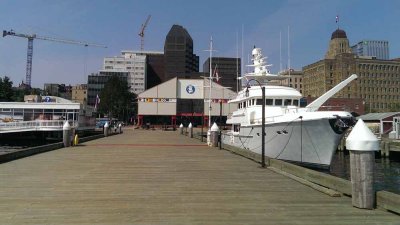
pixel 116 99
pixel 6 91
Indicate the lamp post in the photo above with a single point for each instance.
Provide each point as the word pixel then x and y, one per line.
pixel 262 119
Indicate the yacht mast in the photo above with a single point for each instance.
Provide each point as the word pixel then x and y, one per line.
pixel 288 44
pixel 210 79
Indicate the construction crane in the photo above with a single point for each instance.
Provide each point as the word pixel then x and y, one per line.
pixel 141 33
pixel 30 38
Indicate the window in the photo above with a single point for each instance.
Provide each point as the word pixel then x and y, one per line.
pixel 295 102
pixel 259 102
pixel 269 101
pixel 287 102
pixel 278 102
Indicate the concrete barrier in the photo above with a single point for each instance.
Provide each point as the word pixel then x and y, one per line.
pixel 18 154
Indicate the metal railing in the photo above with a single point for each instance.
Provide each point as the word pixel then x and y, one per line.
pixel 33 125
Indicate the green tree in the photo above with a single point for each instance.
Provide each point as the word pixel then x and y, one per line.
pixel 116 100
pixel 6 91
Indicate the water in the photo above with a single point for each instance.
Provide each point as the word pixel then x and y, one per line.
pixel 387 171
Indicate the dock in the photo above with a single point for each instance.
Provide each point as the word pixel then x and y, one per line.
pixel 161 177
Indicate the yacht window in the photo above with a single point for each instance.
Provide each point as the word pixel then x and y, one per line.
pixel 287 102
pixel 259 101
pixel 295 102
pixel 278 102
pixel 239 106
pixel 269 101
pixel 253 102
pixel 244 104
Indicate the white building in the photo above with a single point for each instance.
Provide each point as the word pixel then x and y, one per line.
pixel 133 62
pixel 183 101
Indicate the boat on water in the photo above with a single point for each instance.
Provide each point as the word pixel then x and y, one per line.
pixel 292 133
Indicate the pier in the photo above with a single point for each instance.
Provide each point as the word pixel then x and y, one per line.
pixel 162 177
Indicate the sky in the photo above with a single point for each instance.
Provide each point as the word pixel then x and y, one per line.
pixel 300 29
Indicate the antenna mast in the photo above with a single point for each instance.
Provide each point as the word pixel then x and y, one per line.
pixel 288 44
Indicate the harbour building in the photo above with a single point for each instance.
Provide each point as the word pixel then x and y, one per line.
pixel 182 100
pixel 372 48
pixel 378 80
pixel 226 70
pixel 294 79
pixel 178 54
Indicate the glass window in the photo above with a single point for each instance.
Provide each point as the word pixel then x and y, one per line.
pixel 287 102
pixel 259 102
pixel 278 102
pixel 295 102
pixel 269 101
pixel 244 104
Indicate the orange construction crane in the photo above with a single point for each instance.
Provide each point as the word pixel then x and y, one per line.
pixel 141 33
pixel 30 38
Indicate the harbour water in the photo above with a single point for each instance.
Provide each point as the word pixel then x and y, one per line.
pixel 387 171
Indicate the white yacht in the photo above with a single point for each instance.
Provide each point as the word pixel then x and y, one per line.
pixel 303 135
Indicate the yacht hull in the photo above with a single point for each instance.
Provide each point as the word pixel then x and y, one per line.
pixel 311 142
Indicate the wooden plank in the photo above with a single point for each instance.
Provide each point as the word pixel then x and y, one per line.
pixel 388 201
pixel 159 177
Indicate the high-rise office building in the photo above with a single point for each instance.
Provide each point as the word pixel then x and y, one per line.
pixel 96 84
pixel 135 64
pixel 178 54
pixel 372 48
pixel 226 70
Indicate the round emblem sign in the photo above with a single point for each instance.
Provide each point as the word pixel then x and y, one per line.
pixel 190 89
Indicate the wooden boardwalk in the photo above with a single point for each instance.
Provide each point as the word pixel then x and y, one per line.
pixel 161 177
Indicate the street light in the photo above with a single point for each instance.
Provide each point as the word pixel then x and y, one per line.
pixel 262 119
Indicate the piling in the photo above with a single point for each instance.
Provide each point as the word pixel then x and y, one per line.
pixel 387 149
pixel 382 148
pixel 106 126
pixel 190 127
pixel 214 133
pixel 362 145
pixel 66 134
pixel 181 129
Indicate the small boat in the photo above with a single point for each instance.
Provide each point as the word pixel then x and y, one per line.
pixel 292 133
